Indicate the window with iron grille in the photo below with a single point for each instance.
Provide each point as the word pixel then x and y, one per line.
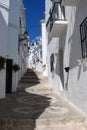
pixel 83 35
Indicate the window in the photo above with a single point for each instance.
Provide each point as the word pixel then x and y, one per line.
pixel 52 62
pixel 83 34
pixel 20 21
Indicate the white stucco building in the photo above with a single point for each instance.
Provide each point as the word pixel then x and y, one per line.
pixel 4 9
pixel 23 48
pixel 44 47
pixel 35 55
pixel 66 22
pixel 10 13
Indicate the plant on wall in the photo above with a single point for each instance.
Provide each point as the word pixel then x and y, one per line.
pixel 44 66
pixel 16 67
pixel 2 62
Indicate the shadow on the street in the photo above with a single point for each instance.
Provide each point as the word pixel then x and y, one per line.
pixel 21 109
pixel 30 79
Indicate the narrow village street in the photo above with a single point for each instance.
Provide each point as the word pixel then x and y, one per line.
pixel 43 65
pixel 35 107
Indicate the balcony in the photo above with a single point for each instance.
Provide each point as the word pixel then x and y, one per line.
pixel 56 23
pixel 70 2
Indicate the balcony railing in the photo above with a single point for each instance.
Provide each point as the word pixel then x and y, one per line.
pixel 57 14
pixel 70 2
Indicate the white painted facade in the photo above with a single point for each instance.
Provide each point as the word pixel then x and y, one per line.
pixel 4 11
pixel 35 56
pixel 9 32
pixel 23 51
pixel 44 47
pixel 12 42
pixel 68 53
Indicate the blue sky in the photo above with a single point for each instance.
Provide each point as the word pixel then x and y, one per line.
pixel 34 13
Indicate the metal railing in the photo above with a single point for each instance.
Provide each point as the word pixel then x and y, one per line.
pixel 58 13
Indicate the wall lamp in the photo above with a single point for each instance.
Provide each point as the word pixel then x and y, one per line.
pixel 23 36
pixel 67 69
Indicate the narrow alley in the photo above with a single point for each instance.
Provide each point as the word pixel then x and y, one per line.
pixel 43 65
pixel 35 107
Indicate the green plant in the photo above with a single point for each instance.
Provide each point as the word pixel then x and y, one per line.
pixel 2 62
pixel 16 67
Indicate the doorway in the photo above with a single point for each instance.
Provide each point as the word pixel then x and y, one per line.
pixel 9 63
pixel 61 66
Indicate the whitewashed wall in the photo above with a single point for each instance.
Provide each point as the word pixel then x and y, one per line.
pixel 4 15
pixel 69 51
pixel 12 46
pixel 34 59
pixel 52 48
pixel 44 47
pixel 77 81
pixel 23 50
pixel 9 31
pixel 54 79
pixel 48 4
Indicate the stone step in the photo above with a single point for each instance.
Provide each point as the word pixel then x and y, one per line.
pixel 58 127
pixel 42 124
pixel 30 81
pixel 29 77
pixel 49 122
pixel 38 109
pixel 15 123
pixel 63 127
pixel 16 128
pixel 32 73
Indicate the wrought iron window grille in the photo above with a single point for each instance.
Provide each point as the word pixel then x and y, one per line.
pixel 83 36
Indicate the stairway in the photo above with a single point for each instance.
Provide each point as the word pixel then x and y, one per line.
pixel 36 107
pixel 29 79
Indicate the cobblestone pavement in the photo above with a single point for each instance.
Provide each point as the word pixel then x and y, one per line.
pixel 35 107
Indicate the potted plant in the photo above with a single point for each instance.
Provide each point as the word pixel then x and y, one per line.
pixel 2 62
pixel 16 67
